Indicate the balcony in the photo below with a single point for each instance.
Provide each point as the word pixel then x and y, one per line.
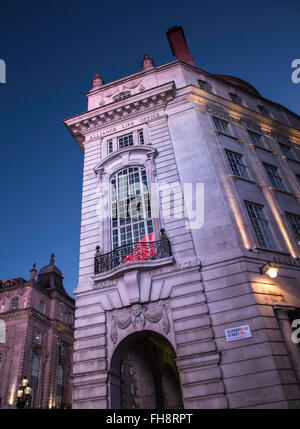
pixel 136 252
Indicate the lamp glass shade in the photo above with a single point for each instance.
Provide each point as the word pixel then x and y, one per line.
pixel 24 382
pixel 27 390
pixel 272 272
pixel 19 393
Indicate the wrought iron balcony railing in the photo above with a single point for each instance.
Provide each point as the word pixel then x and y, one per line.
pixel 141 251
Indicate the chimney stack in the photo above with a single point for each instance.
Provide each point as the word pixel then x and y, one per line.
pixel 178 45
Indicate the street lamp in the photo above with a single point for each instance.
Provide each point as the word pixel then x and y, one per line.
pixel 23 394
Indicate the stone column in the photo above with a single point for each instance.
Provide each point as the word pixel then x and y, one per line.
pixel 282 314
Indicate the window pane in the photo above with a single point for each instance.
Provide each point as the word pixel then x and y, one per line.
pixel 260 225
pixel 59 386
pixel 109 146
pixel 125 141
pixel 255 138
pixel 237 166
pixel 235 98
pixel 204 85
pixel 141 137
pixel 35 363
pixel 272 173
pixel 122 95
pixel 15 303
pixel 131 209
pixel 294 221
pixel 37 338
pixel 221 125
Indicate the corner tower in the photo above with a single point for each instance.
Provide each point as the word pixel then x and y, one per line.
pixel 170 248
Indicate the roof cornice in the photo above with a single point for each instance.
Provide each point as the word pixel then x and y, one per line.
pixel 240 112
pixel 92 120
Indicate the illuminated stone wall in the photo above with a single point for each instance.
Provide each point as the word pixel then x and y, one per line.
pixel 212 282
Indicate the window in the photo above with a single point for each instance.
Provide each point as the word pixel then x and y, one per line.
pixel 260 225
pixel 130 207
pixel 69 319
pixel 221 125
pixel 204 85
pixel 59 386
pixel 42 307
pixel 109 146
pixel 263 110
pixel 122 95
pixel 132 388
pixel 125 141
pixel 236 163
pixel 61 353
pixel 294 221
pixel 235 98
pixel 35 363
pixel 141 137
pixel 1 360
pixel 298 178
pixel 14 303
pixel 272 173
pixel 285 149
pixel 37 337
pixel 255 138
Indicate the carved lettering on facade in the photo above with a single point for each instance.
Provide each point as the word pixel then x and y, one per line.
pixel 124 126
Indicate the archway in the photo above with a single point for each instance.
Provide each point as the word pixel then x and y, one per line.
pixel 143 373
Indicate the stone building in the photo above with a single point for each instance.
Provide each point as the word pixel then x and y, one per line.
pixel 37 334
pixel 188 289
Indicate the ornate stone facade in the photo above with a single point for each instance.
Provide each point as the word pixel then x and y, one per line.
pixel 36 340
pixel 173 127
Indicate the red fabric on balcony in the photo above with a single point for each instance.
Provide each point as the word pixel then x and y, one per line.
pixel 143 250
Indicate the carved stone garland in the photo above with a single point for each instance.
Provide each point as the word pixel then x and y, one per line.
pixel 137 315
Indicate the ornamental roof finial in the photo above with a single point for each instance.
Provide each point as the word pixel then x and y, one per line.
pixel 147 63
pixel 97 81
pixel 33 272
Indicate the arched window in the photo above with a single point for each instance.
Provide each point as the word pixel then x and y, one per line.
pixel 122 95
pixel 59 386
pixel 130 207
pixel 35 364
pixel 14 303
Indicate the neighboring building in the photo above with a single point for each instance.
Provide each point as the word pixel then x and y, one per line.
pixel 155 302
pixel 37 318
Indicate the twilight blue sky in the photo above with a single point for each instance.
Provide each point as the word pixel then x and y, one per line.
pixel 53 48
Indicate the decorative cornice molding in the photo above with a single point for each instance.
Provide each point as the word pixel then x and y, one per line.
pixel 123 109
pixel 273 126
